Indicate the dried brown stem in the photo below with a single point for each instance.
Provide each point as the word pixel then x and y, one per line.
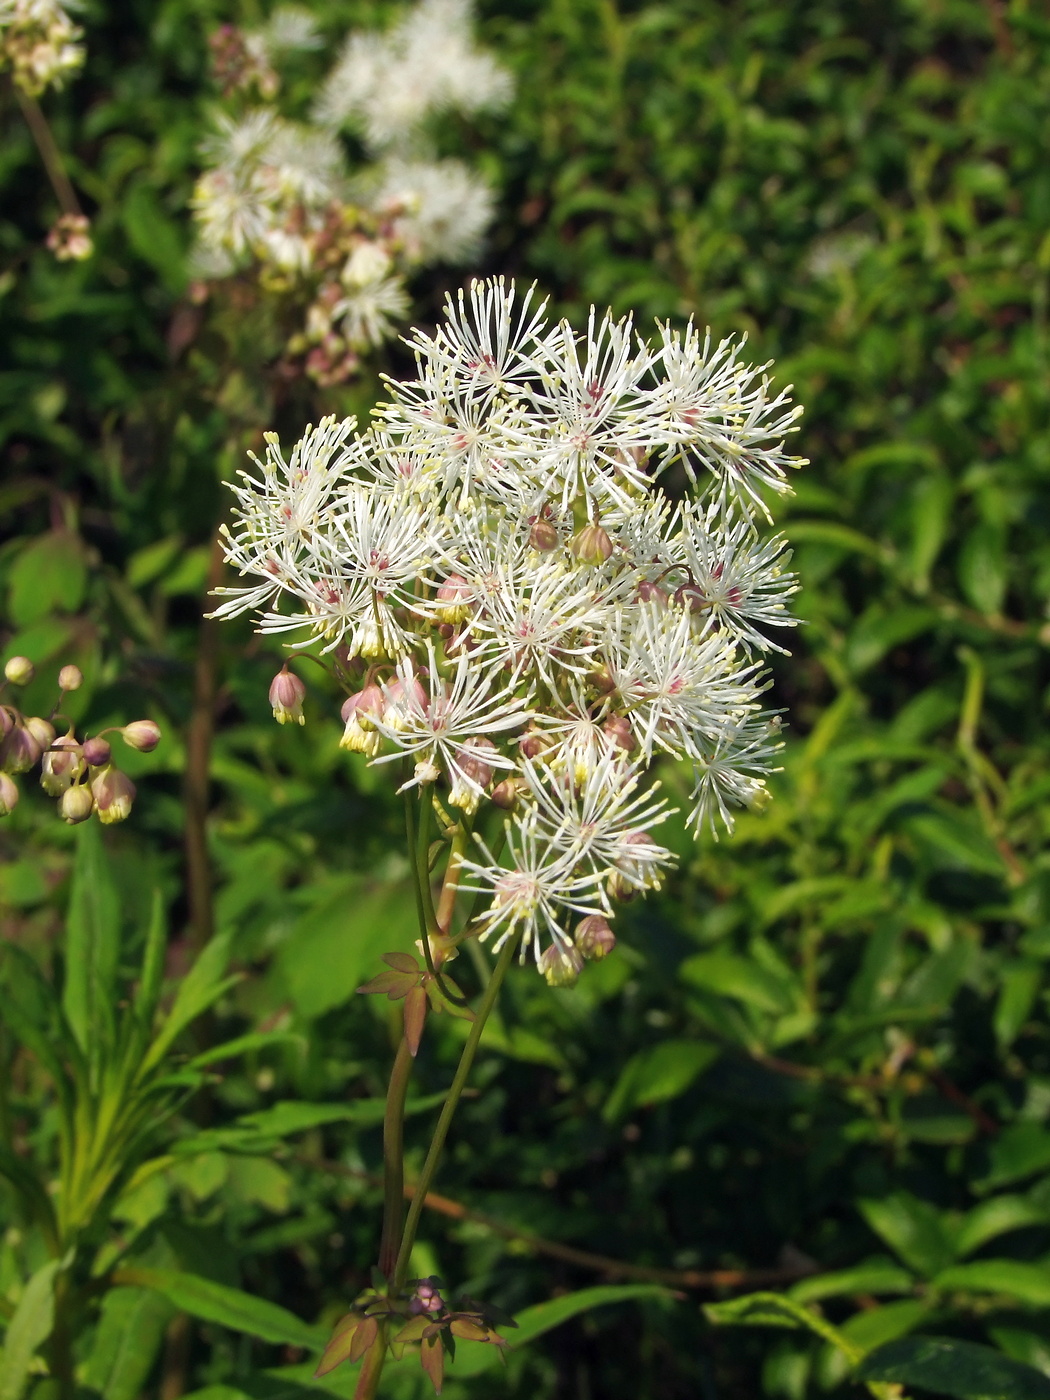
pixel 583 1258
pixel 49 152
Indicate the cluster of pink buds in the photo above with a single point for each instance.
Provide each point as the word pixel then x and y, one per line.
pixel 79 773
pixel 238 63
pixel 70 238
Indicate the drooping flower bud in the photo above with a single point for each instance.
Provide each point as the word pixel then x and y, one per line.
pixel 400 698
pixel 76 805
pixel 618 728
pixel 143 735
pixel 594 937
pixel 360 735
pixel 561 965
pixel 602 679
pixel 591 545
pixel 454 600
pixel 70 678
pixel 20 750
pixel 637 866
pixel 61 765
pixel 652 593
pixel 8 795
pixel 287 694
pixel 7 720
pixel 534 744
pixel 97 752
pixel 692 598
pixel 506 793
pixel 114 792
pixel 19 670
pixel 543 535
pixel 42 730
pixel 472 774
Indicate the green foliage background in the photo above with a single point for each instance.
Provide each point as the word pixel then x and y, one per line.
pixel 824 1050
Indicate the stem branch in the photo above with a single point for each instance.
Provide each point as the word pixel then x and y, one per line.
pixel 49 152
pixel 394 1159
pixel 437 1144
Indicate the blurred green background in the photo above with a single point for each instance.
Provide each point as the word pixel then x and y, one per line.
pixel 820 1061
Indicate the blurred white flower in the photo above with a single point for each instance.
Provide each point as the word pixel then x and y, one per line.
pixel 39 43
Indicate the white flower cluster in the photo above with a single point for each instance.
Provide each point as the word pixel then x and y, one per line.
pixel 39 43
pixel 521 614
pixel 280 195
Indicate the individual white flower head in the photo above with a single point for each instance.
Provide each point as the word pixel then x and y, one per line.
pixel 39 44
pixel 438 722
pixel 373 300
pixel 733 579
pixel 732 773
pixel 535 889
pixel 439 208
pixel 720 413
pixel 290 28
pixel 389 84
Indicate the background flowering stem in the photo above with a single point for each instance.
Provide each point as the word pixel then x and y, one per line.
pixel 393 1158
pixel 49 152
pixel 448 1108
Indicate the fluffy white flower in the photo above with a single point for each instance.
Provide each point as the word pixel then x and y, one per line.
pixel 440 208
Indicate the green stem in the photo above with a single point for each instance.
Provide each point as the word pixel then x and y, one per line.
pixel 437 1144
pixel 394 1159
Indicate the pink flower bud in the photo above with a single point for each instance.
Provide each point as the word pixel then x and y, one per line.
pixel 471 774
pixel 689 596
pixel 61 765
pixel 534 744
pixel 543 535
pixel 618 728
pixel 594 937
pixel 42 730
pixel 142 734
pixel 114 792
pixel 505 794
pixel 561 965
pixel 602 680
pixel 70 678
pixel 20 750
pixel 402 699
pixel 8 795
pixel 97 752
pixel 287 694
pixel 76 805
pixel 652 593
pixel 7 720
pixel 637 866
pixel 19 670
pixel 455 599
pixel 358 711
pixel 591 545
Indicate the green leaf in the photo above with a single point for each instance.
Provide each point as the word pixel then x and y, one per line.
pixel 1028 1283
pixel 1020 983
pixel 741 978
pixel 1019 1151
pixel 129 1336
pixel 201 986
pixel 48 574
pixel 332 948
pixel 246 1045
pixel 229 1307
pixel 913 1229
pixel 962 1370
pixel 982 567
pixel 994 1217
pixel 657 1074
pixel 151 978
pixel 932 498
pixel 92 943
pixel 474 1357
pixel 877 632
pixel 776 1310
pixel 30 1325
pixel 876 1276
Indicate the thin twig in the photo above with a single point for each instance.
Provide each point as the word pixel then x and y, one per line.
pixel 198 762
pixel 583 1258
pixel 49 153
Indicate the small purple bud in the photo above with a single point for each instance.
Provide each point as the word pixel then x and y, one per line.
pixel 691 597
pixel 76 804
pixel 287 694
pixel 455 599
pixel 20 750
pixel 591 545
pixel 505 794
pixel 8 795
pixel 97 752
pixel 533 744
pixel 652 593
pixel 142 734
pixel 543 535
pixel 561 965
pixel 19 670
pixel 594 937
pixel 114 792
pixel 618 728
